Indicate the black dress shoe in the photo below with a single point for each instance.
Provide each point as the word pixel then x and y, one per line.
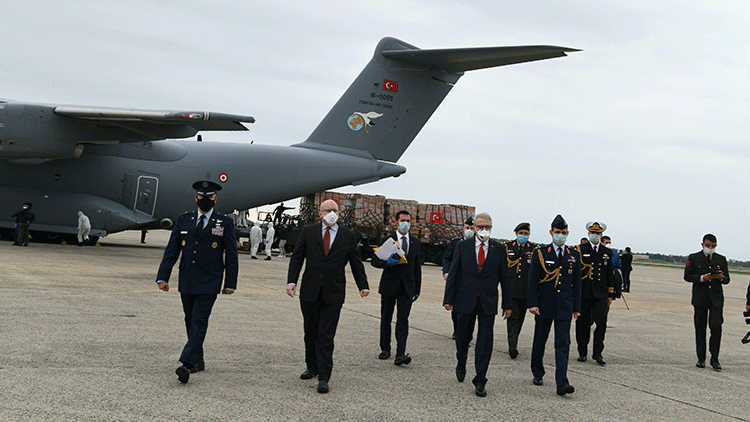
pixel 200 366
pixel 538 381
pixel 402 360
pixel 513 353
pixel 384 355
pixel 308 374
pixel 268 258
pixel 183 374
pixel 453 336
pixel 600 360
pixel 565 389
pixel 700 364
pixel 253 257
pixel 460 374
pixel 715 364
pixel 582 358
pixel 322 387
pixel 480 391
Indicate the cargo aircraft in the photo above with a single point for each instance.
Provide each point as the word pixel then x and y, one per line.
pixel 125 170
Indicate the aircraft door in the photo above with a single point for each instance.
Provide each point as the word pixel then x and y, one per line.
pixel 2 126
pixel 145 197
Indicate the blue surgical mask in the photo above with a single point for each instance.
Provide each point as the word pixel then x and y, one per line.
pixel 403 227
pixel 559 239
pixel 522 239
pixel 595 238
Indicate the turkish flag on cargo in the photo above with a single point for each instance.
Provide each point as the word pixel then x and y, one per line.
pixel 437 218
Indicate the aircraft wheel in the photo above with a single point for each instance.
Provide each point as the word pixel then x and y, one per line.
pixel 8 234
pixel 93 240
pixel 46 237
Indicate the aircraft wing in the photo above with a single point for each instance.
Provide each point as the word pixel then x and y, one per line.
pixel 143 119
pixel 456 60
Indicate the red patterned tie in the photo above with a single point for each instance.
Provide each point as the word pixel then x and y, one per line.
pixel 327 240
pixel 480 257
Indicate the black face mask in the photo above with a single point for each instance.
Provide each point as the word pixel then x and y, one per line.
pixel 205 204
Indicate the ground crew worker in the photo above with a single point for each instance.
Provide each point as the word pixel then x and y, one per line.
pixel 84 228
pixel 24 218
pixel 256 235
pixel 269 240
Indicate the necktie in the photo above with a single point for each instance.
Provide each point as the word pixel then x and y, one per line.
pixel 559 253
pixel 327 241
pixel 404 245
pixel 480 257
pixel 200 225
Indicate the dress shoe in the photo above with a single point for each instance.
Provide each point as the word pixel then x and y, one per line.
pixel 384 355
pixel 453 336
pixel 253 257
pixel 402 360
pixel 183 374
pixel 565 389
pixel 513 353
pixel 582 358
pixel 460 374
pixel 480 391
pixel 200 366
pixel 308 374
pixel 268 258
pixel 700 364
pixel 715 364
pixel 538 381
pixel 322 386
pixel 600 360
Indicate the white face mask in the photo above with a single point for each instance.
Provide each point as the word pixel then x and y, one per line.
pixel 403 227
pixel 559 239
pixel 483 235
pixel 331 218
pixel 708 251
pixel 468 233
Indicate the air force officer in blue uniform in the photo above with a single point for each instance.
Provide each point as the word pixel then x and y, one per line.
pixel 209 256
pixel 554 294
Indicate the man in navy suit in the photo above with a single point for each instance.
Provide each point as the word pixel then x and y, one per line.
pixel 477 269
pixel 325 248
pixel 554 294
pixel 448 258
pixel 399 286
pixel 208 245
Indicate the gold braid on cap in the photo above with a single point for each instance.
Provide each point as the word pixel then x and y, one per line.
pixel 515 263
pixel 550 274
pixel 586 269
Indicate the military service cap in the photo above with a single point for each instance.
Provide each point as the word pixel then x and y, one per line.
pixel 522 226
pixel 206 188
pixel 469 221
pixel 559 223
pixel 596 227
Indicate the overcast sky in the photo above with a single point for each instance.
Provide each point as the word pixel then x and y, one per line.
pixel 646 129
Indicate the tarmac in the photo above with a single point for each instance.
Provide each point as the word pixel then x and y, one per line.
pixel 85 335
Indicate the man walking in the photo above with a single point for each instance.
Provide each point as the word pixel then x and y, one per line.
pixel 518 257
pixel 325 249
pixel 207 243
pixel 708 272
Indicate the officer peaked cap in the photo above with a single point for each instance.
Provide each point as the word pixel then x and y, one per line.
pixel 596 227
pixel 206 187
pixel 469 221
pixel 522 226
pixel 559 223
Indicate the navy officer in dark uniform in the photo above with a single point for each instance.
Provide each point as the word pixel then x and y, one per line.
pixel 518 253
pixel 554 294
pixel 209 256
pixel 597 292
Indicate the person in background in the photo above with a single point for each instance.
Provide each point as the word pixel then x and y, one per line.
pixel 518 253
pixel 268 243
pixel 24 218
pixel 283 232
pixel 84 228
pixel 256 235
pixel 448 256
pixel 627 268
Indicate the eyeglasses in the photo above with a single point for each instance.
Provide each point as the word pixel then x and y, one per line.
pixel 484 227
pixel 327 211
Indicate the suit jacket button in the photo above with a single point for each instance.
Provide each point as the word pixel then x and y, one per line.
pixel 193 262
pixel 195 251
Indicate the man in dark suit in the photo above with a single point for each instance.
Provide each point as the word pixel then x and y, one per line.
pixel 399 285
pixel 208 245
pixel 448 257
pixel 327 248
pixel 23 219
pixel 627 267
pixel 597 292
pixel 708 271
pixel 518 253
pixel 554 294
pixel 477 269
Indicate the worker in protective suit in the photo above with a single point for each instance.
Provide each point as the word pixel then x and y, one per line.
pixel 256 235
pixel 269 240
pixel 84 228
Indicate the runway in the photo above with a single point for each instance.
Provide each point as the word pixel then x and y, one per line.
pixel 85 335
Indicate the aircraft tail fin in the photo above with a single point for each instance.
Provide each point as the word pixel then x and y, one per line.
pixel 393 97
